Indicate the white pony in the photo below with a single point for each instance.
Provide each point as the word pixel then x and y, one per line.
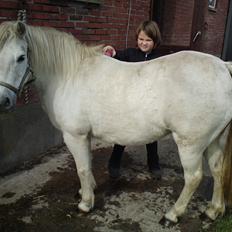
pixel 85 94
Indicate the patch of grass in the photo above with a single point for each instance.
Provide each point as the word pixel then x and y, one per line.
pixel 222 225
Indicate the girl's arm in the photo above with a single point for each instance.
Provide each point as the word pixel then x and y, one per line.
pixel 119 55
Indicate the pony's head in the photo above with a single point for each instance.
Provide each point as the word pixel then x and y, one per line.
pixel 14 67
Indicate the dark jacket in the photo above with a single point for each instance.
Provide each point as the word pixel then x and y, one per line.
pixel 135 55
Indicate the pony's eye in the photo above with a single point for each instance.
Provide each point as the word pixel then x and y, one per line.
pixel 21 58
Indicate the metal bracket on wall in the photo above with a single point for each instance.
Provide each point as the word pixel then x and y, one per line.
pixel 198 34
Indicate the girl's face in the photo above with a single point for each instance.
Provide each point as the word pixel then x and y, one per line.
pixel 145 43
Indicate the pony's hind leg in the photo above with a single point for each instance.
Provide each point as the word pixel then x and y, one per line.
pixel 191 159
pixel 214 155
pixel 80 148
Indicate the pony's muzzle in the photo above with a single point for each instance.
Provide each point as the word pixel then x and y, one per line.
pixel 7 103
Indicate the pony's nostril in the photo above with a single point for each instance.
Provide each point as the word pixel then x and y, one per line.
pixel 7 102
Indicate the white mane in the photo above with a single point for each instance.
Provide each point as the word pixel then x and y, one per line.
pixel 56 53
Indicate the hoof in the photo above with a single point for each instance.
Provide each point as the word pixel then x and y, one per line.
pixel 166 223
pixel 84 208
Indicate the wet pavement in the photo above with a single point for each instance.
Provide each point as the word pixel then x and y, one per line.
pixel 42 195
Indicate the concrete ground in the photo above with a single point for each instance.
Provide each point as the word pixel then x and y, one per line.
pixel 42 195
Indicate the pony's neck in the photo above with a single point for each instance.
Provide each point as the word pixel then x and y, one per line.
pixel 52 53
pixel 56 54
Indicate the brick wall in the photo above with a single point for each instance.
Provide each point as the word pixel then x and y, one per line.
pixel 112 22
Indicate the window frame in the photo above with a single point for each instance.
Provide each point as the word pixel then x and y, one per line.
pixel 212 4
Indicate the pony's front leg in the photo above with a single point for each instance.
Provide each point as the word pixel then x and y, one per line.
pixel 79 146
pixel 192 164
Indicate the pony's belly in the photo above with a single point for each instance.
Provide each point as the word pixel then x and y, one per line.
pixel 129 136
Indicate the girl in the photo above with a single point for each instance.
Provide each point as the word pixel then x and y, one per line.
pixel 148 38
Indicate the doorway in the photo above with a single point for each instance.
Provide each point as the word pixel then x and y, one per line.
pixel 181 23
pixel 227 48
pixel 198 26
pixel 157 12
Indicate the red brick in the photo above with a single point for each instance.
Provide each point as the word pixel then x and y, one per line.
pixel 8 15
pixel 68 10
pixel 95 19
pixel 41 1
pixel 47 16
pixel 8 5
pixel 45 8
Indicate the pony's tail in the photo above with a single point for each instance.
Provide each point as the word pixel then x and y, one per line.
pixel 227 169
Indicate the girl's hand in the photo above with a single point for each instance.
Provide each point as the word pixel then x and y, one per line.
pixel 109 51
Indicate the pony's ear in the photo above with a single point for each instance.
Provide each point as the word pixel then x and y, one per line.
pixel 20 29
